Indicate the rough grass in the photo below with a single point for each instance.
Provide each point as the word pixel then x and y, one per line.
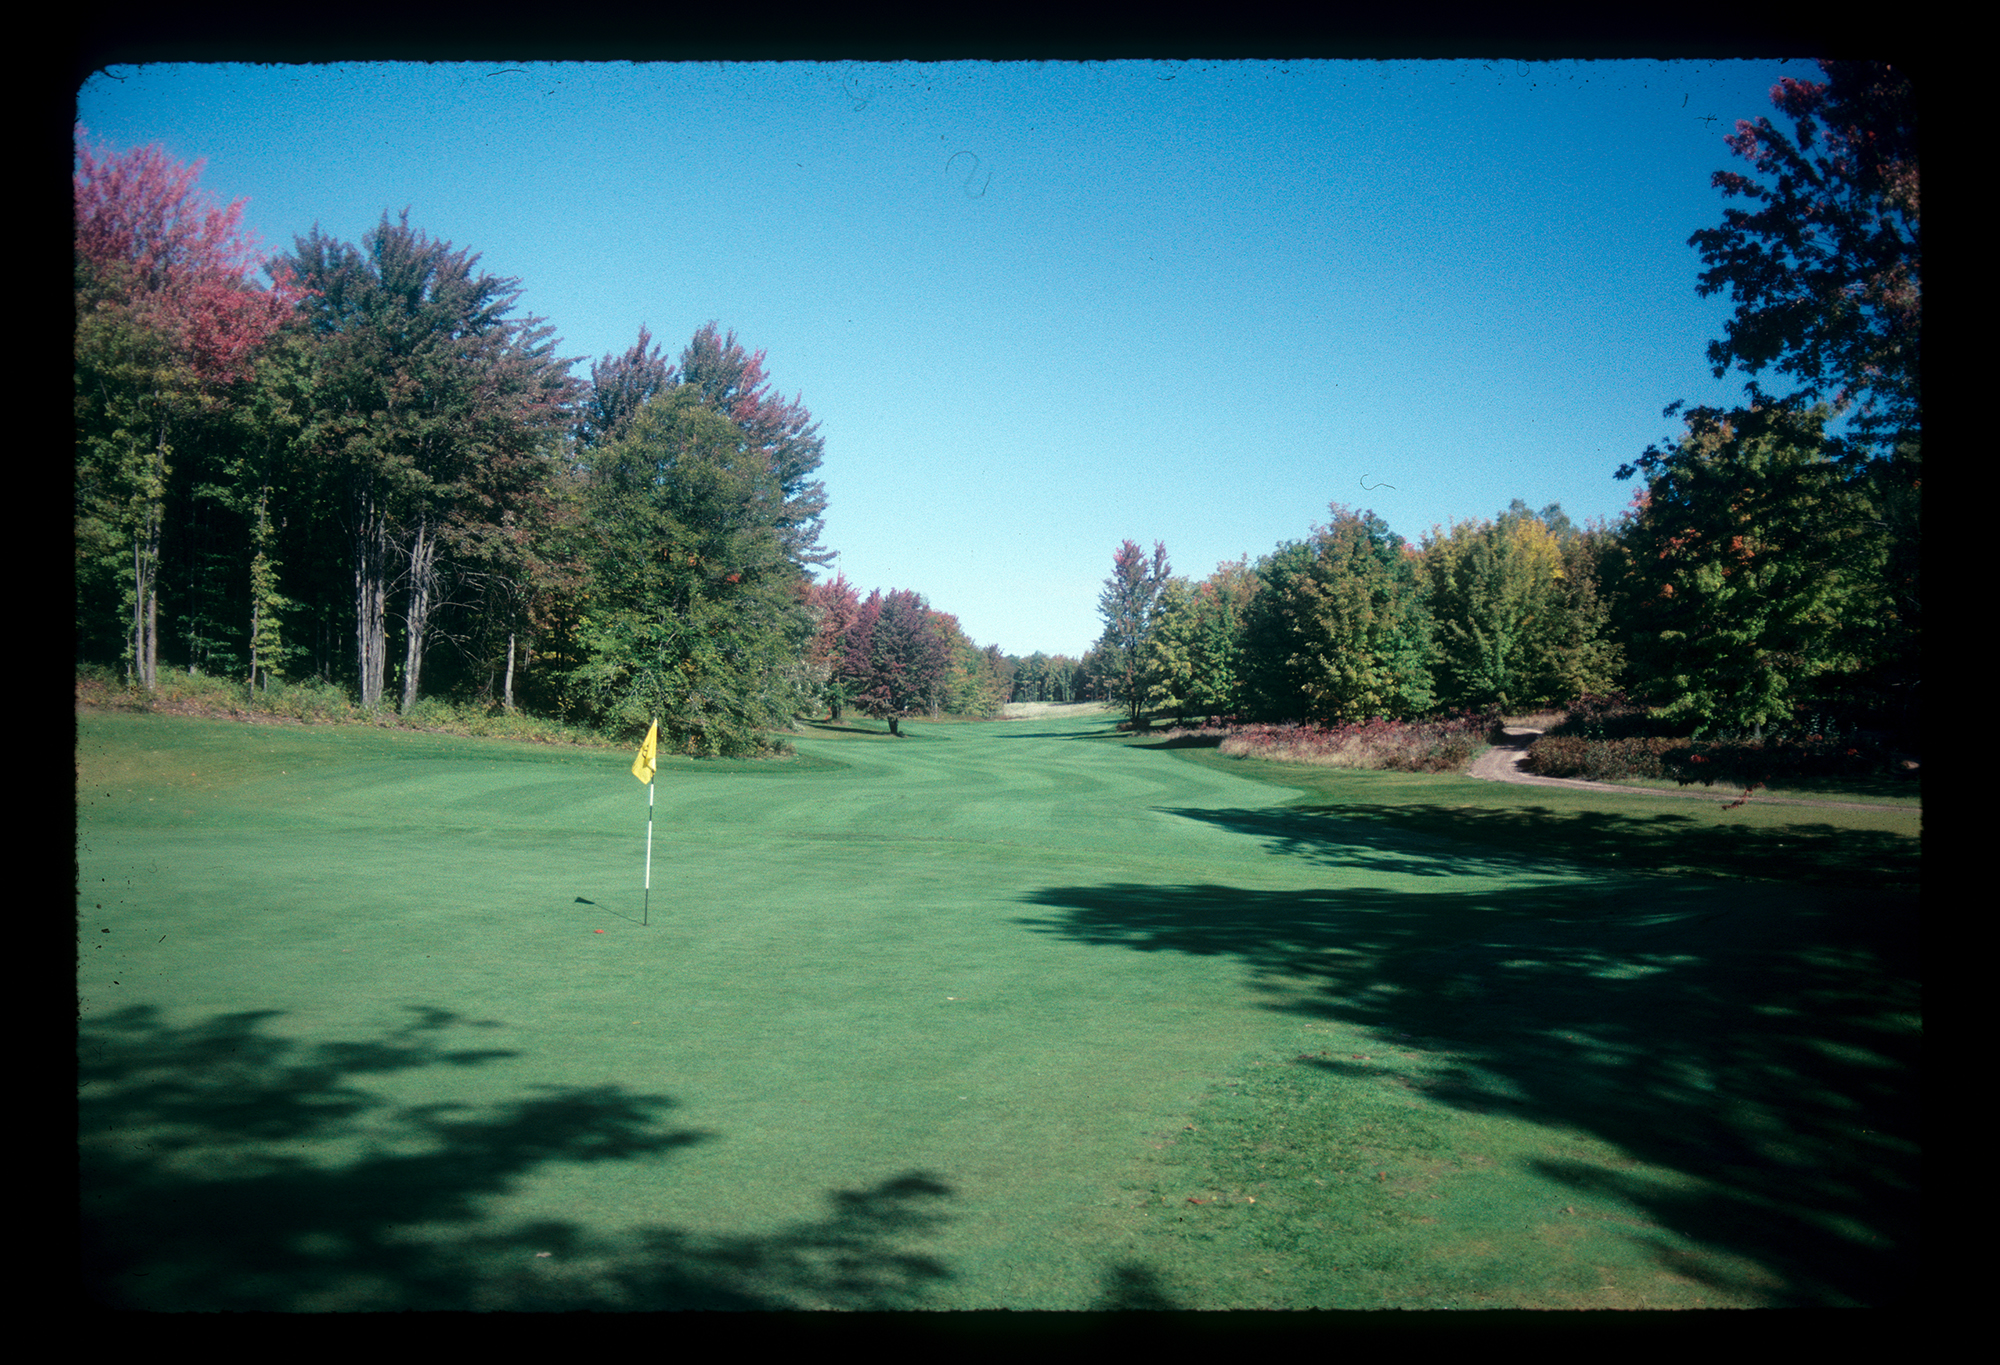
pixel 311 702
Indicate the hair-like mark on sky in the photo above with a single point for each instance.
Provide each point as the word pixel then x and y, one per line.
pixel 973 171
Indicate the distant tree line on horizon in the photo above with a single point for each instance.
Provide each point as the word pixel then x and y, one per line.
pixel 376 473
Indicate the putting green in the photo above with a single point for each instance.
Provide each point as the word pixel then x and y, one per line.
pixel 370 1020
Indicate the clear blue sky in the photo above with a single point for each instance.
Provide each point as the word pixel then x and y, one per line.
pixel 1041 308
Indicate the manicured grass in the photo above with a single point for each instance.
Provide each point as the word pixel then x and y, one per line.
pixel 966 1020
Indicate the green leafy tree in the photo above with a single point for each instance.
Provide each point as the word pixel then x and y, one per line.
pixel 1170 660
pixel 694 612
pixel 1337 631
pixel 1516 617
pixel 1757 569
pixel 1825 269
pixel 733 382
pixel 1192 660
pixel 972 685
pixel 1825 266
pixel 1128 605
pixel 442 410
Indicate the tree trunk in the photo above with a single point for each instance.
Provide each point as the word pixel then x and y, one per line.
pixel 371 596
pixel 144 640
pixel 892 726
pixel 507 695
pixel 423 581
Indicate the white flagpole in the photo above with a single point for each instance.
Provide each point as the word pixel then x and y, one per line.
pixel 646 913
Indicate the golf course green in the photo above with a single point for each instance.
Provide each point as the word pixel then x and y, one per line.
pixel 1024 1015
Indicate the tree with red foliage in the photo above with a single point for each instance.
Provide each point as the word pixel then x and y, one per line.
pixel 732 382
pixel 619 387
pixel 167 320
pixel 896 659
pixel 837 605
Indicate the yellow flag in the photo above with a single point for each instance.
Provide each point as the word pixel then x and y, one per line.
pixel 649 752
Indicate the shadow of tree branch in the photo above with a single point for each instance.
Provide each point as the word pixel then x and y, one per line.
pixel 226 1168
pixel 1760 1040
pixel 1437 839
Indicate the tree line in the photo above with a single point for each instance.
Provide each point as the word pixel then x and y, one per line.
pixel 374 470
pixel 1766 574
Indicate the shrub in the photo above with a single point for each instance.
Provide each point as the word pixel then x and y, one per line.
pixel 1729 763
pixel 1602 760
pixel 1445 744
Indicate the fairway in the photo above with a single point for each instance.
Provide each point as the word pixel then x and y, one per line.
pixel 1016 1015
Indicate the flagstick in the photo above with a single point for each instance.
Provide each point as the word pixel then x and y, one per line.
pixel 646 913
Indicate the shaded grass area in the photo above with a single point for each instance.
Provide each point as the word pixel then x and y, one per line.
pixel 1880 789
pixel 1638 1092
pixel 1339 818
pixel 1616 1097
pixel 228 1167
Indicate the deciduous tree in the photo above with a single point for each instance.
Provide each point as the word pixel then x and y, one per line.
pixel 1758 572
pixel 835 605
pixel 1127 606
pixel 732 381
pixel 694 612
pixel 897 659
pixel 168 318
pixel 1516 618
pixel 619 386
pixel 442 408
pixel 1826 266
pixel 1337 631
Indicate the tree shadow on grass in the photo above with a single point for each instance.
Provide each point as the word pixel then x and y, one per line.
pixel 1756 1045
pixel 1435 839
pixel 225 1168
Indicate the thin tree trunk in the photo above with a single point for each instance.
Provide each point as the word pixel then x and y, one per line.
pixel 423 579
pixel 145 635
pixel 371 594
pixel 507 694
